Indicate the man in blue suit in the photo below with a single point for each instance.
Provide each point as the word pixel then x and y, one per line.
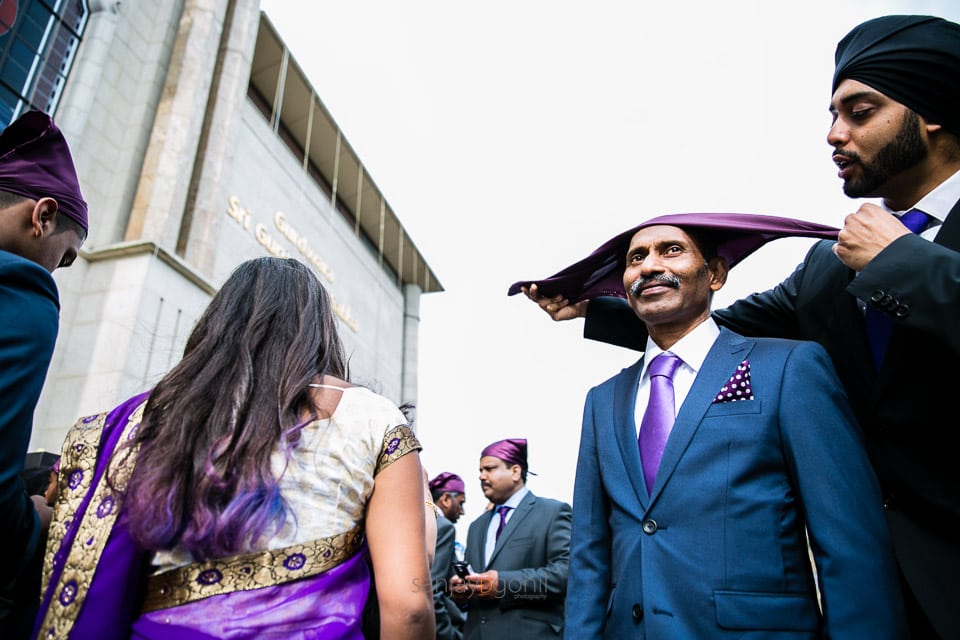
pixel 43 222
pixel 896 136
pixel 519 551
pixel 762 467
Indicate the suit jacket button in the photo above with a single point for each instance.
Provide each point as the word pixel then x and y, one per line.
pixel 649 527
pixel 901 311
pixel 877 296
pixel 637 612
pixel 890 502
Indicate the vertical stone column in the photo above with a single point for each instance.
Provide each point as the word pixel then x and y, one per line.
pixel 88 69
pixel 172 149
pixel 411 342
pixel 199 229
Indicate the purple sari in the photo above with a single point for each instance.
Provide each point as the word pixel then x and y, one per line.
pixel 97 581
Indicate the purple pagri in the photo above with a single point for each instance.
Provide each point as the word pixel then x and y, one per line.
pixel 601 273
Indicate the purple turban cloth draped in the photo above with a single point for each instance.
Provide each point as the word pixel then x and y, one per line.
pixel 447 482
pixel 913 59
pixel 511 451
pixel 35 162
pixel 737 235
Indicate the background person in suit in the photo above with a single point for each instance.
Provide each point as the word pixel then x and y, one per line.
pixel 520 589
pixel 710 540
pixel 449 494
pixel 43 222
pixel 895 135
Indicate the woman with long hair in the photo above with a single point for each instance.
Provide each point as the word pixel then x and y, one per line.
pixel 236 498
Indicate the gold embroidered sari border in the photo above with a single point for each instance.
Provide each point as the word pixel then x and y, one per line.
pixel 250 571
pixel 97 521
pixel 77 463
pixel 397 443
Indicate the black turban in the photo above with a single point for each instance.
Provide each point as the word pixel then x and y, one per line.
pixel 914 60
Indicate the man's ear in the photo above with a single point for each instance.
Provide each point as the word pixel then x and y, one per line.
pixel 929 127
pixel 718 273
pixel 44 217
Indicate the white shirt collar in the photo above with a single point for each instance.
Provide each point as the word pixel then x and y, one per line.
pixel 691 348
pixel 940 201
pixel 514 501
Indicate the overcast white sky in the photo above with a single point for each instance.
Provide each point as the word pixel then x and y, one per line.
pixel 514 137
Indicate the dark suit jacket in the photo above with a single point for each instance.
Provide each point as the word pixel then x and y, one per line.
pixel 448 615
pixel 29 318
pixel 718 548
pixel 532 558
pixel 906 408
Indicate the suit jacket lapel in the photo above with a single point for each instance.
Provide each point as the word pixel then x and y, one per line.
pixel 480 552
pixel 949 233
pixel 625 428
pixel 522 511
pixel 727 352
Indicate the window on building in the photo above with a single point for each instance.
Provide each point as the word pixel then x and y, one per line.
pixel 38 41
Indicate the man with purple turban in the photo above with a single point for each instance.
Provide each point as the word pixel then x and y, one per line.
pixel 43 222
pixel 518 553
pixel 706 467
pixel 449 494
pixel 884 298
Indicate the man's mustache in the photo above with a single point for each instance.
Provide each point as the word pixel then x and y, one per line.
pixel 661 278
pixel 851 156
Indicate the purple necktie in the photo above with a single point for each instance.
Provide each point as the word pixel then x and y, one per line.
pixel 502 510
pixel 659 415
pixel 879 323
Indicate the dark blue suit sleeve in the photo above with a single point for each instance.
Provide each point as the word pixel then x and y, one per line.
pixel 925 274
pixel 29 318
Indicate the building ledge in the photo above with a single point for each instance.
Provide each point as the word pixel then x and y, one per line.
pixel 140 247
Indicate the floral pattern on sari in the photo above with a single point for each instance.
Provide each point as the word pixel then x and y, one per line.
pixel 249 571
pixel 77 468
pixel 397 443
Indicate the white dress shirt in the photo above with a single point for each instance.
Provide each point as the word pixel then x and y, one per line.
pixel 513 502
pixel 692 350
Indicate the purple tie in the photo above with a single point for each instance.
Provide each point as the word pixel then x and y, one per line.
pixel 659 416
pixel 502 510
pixel 879 323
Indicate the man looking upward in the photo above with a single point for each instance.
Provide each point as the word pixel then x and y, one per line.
pixel 884 300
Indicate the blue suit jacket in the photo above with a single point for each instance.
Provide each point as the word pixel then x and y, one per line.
pixel 532 559
pixel 718 549
pixel 907 413
pixel 29 319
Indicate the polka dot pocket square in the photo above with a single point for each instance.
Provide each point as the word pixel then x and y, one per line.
pixel 737 387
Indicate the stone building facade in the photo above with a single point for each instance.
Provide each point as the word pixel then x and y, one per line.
pixel 200 144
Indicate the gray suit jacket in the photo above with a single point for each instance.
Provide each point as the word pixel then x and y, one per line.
pixel 531 557
pixel 449 616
